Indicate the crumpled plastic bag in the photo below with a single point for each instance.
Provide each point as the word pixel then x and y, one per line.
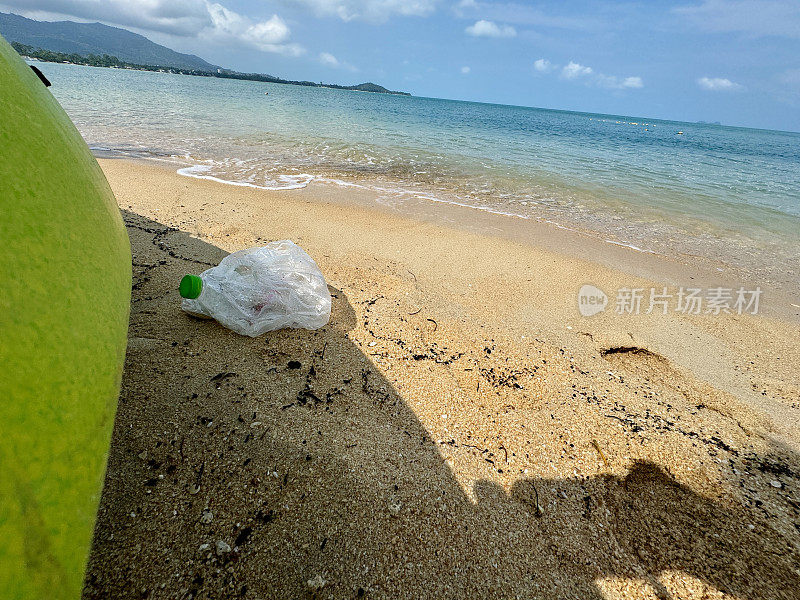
pixel 262 289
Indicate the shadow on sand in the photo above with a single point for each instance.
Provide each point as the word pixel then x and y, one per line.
pixel 235 474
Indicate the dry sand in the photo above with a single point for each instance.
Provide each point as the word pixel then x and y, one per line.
pixel 456 431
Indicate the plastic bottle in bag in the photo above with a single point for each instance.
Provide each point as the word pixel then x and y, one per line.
pixel 260 289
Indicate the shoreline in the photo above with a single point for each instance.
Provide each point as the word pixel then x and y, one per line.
pixel 457 430
pixel 554 263
pixel 573 239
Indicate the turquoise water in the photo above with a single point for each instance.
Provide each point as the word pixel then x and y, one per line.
pixel 730 194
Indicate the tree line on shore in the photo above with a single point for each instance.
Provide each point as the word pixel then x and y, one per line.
pixel 106 60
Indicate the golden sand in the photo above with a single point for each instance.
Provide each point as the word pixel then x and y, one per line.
pixel 457 431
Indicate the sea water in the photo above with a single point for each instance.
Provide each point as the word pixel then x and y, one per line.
pixel 729 194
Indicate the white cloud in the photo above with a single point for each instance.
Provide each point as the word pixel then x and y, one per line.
pixel 184 18
pixel 465 70
pixel 269 36
pixel 633 82
pixel 329 60
pixel 377 11
pixel 617 83
pixel 464 6
pixel 490 29
pixel 176 17
pixel 718 84
pixel 755 17
pixel 574 70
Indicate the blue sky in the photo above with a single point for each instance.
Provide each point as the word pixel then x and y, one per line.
pixel 734 61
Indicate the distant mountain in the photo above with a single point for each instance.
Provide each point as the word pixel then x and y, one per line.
pixel 95 38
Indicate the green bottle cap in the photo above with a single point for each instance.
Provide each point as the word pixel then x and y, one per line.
pixel 191 286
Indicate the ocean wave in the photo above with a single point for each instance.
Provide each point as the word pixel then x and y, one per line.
pixel 631 246
pixel 400 193
pixel 280 182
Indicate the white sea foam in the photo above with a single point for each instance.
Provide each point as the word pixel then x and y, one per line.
pixel 399 192
pixel 281 182
pixel 341 183
pixel 558 225
pixel 631 246
pixel 487 209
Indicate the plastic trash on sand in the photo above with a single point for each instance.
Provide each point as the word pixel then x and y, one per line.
pixel 261 289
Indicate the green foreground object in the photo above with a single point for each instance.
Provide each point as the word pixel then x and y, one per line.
pixel 65 280
pixel 191 286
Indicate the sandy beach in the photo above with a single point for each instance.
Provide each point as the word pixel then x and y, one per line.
pixel 458 430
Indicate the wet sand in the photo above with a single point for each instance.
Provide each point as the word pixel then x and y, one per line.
pixel 457 431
